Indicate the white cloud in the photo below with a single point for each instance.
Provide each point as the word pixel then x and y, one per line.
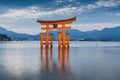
pixel 58 2
pixel 71 0
pixel 117 14
pixel 35 12
pixel 5 26
pixel 26 30
pixel 81 27
pixel 106 3
pixel 30 12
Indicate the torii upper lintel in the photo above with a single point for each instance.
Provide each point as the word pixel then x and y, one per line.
pixel 63 21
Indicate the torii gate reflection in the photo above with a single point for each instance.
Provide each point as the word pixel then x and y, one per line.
pixel 62 63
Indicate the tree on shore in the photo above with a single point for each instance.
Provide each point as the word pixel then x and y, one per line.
pixel 4 37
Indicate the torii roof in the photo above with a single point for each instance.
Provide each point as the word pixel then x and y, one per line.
pixel 64 21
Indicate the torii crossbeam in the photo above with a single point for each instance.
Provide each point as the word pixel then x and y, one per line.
pixel 63 38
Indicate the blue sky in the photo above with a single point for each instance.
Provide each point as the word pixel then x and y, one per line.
pixel 21 15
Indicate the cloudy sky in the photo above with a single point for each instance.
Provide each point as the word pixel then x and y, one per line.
pixel 21 15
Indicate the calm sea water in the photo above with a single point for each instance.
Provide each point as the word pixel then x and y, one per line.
pixel 25 60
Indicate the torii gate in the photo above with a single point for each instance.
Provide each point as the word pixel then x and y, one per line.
pixel 62 37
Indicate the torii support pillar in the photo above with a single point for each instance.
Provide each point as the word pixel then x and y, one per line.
pixel 60 40
pixel 47 42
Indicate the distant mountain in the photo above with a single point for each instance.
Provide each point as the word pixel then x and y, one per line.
pixel 17 36
pixel 107 34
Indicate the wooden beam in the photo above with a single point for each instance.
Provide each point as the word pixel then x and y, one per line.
pixel 58 28
pixel 64 21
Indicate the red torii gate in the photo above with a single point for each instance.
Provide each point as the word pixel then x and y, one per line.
pixel 62 37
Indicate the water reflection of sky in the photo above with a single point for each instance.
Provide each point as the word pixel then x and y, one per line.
pixel 17 59
pixel 26 61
